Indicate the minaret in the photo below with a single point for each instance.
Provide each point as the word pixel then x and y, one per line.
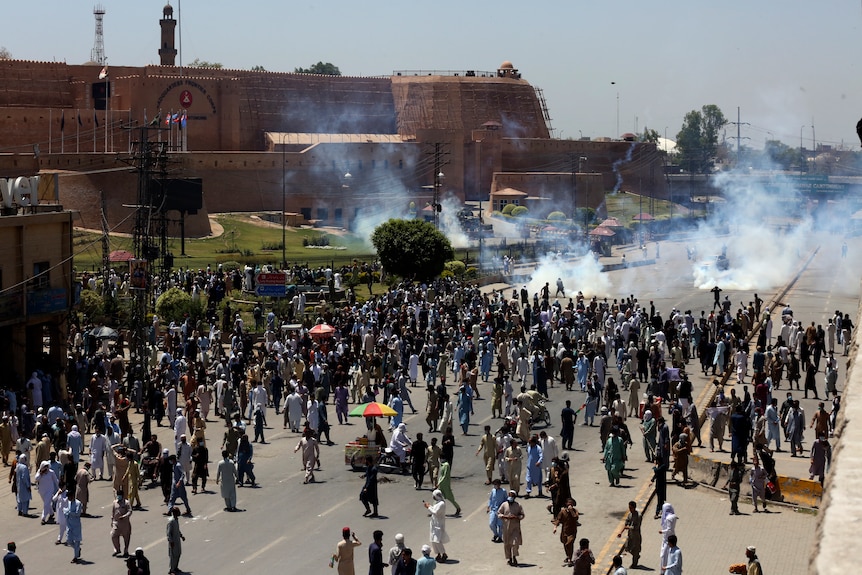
pixel 168 52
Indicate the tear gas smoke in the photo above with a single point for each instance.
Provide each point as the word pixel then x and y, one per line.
pixel 619 162
pixel 582 274
pixel 753 226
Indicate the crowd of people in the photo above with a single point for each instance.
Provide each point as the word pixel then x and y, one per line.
pixel 443 338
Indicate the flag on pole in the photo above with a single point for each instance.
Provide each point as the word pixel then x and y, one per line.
pixel 156 120
pixel 62 121
pixel 96 118
pixel 104 73
pixel 183 121
pixel 80 123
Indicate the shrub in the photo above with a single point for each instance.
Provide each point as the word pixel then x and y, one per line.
pixel 519 211
pixel 173 305
pixel 92 305
pixel 457 267
pixel 471 273
pixel 557 216
pixel 446 274
pixel 316 240
pixel 507 209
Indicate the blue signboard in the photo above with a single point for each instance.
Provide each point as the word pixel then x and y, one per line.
pixel 46 301
pixel 271 290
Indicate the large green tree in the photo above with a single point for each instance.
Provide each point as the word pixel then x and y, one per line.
pixel 411 248
pixel 322 68
pixel 697 140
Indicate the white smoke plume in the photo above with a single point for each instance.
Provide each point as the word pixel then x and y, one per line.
pixel 761 231
pixel 582 273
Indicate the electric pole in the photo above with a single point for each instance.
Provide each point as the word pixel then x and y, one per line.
pixel 439 161
pixel 739 138
pixel 149 159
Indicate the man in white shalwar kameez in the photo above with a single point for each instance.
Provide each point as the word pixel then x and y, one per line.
pixel 438 526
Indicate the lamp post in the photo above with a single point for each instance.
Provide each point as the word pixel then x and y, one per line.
pixel 618 111
pixel 438 181
pixel 283 207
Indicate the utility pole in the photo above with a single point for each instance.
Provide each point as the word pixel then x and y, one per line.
pixel 149 159
pixel 739 137
pixel 439 161
pixel 572 159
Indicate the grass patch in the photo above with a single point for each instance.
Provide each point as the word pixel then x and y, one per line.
pixel 243 240
pixel 625 205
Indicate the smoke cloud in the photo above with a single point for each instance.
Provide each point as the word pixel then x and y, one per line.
pixel 765 234
pixel 582 273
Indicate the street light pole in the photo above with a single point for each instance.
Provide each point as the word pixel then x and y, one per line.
pixel 438 179
pixel 618 111
pixel 283 207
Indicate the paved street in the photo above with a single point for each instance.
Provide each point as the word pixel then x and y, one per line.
pixel 288 527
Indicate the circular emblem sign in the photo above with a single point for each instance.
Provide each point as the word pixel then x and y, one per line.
pixel 185 99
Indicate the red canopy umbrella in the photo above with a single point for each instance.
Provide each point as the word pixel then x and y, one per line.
pixel 643 217
pixel 321 330
pixel 602 231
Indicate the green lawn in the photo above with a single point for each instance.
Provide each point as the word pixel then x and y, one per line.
pixel 243 241
pixel 624 205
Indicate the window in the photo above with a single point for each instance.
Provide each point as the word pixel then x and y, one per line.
pixel 322 214
pixel 41 276
pixel 338 221
pixel 306 213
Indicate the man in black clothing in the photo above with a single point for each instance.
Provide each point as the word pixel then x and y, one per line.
pixel 12 565
pixel 375 554
pixel 567 416
pixel 418 450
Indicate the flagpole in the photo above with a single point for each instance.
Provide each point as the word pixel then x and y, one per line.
pixel 78 131
pixel 63 132
pixel 50 128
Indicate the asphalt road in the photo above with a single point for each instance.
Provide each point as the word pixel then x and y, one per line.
pixel 288 527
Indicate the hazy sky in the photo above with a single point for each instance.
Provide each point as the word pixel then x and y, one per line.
pixel 785 63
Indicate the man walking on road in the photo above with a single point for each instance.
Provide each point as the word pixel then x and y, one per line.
pixel 226 476
pixel 512 514
pixel 121 524
pixel 673 566
pixel 753 561
pixel 375 554
pixel 496 498
pixel 175 539
pixel 488 448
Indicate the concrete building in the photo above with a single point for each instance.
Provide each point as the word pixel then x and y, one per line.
pixel 260 140
pixel 37 287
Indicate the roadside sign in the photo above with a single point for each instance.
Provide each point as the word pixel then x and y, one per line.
pixel 271 279
pixel 271 284
pixel 270 291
